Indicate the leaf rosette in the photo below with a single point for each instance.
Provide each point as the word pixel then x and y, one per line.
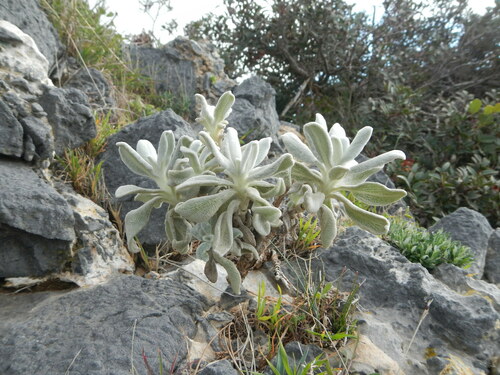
pixel 325 168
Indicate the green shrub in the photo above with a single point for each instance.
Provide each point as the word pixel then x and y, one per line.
pixel 429 249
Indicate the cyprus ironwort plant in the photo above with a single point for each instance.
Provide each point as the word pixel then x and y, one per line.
pixel 228 196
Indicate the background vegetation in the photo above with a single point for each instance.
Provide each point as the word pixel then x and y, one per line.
pixel 411 73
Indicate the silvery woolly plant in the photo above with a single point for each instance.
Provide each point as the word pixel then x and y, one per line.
pixel 225 195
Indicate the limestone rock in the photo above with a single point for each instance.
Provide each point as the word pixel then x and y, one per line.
pixel 93 83
pixel 254 111
pixel 492 262
pixel 36 223
pixel 11 132
pixel 471 229
pixel 183 68
pixel 99 330
pixel 70 117
pixel 23 58
pixel 99 252
pixel 117 174
pixel 28 16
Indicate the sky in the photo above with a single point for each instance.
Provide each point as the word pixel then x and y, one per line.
pixel 130 20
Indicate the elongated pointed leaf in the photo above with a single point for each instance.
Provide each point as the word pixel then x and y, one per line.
pixel 176 154
pixel 132 189
pixel 178 231
pixel 209 142
pixel 223 107
pixel 357 178
pixel 298 149
pixel 277 189
pixel 203 208
pixel 328 224
pixel 231 143
pixel 302 173
pixel 378 161
pixel 166 147
pixel 210 270
pixel 281 164
pixel 176 177
pixel 358 143
pixel 319 142
pixel 250 152
pixel 321 120
pixel 233 274
pixel 264 146
pixel 137 219
pixel 338 150
pixel 203 180
pixel 223 230
pixel 376 194
pixel 369 221
pixel 134 161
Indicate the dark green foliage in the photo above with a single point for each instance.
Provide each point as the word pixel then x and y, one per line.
pixel 426 248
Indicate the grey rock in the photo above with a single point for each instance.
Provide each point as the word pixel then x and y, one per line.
pixel 28 16
pixel 101 330
pixel 69 115
pixel 29 148
pixel 394 294
pixel 93 83
pixel 11 132
pixel 222 367
pixel 37 223
pixel 298 354
pixel 17 104
pixel 471 229
pixel 99 252
pixel 117 174
pixel 254 111
pixel 41 134
pixel 168 69
pixel 492 262
pixel 22 59
pixel 183 67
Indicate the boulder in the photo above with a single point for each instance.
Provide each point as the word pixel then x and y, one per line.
pixel 36 223
pixel 40 132
pixel 254 111
pixel 105 329
pixel 21 57
pixel 99 252
pixel 117 174
pixel 471 229
pixel 28 16
pixel 69 115
pixel 492 262
pixel 182 68
pixel 395 294
pixel 97 88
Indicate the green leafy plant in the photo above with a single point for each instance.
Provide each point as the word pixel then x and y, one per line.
pixel 426 248
pixel 308 232
pixel 232 198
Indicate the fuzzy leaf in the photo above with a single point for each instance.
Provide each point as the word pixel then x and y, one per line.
pixel 134 161
pixel 203 208
pixel 301 173
pixel 359 177
pixel 298 149
pixel 281 164
pixel 210 143
pixel 358 143
pixel 336 173
pixel 233 274
pixel 137 219
pixel 203 180
pixel 223 234
pixel 147 151
pixel 319 142
pixel 328 225
pixel 376 194
pixel 166 147
pixel 378 161
pixel 132 189
pixel 223 107
pixel 369 221
pixel 231 144
pixel 313 201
